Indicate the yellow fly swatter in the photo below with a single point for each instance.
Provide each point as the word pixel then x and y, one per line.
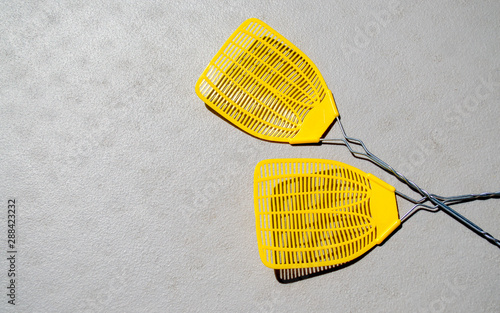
pixel 316 213
pixel 312 213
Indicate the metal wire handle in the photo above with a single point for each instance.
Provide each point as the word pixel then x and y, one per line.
pixel 439 202
pixel 419 204
pixel 453 200
pixel 469 197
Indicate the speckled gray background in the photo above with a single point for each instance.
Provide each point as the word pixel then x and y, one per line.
pixel 132 196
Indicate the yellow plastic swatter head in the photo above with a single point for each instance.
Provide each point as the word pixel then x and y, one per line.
pixel 312 212
pixel 263 84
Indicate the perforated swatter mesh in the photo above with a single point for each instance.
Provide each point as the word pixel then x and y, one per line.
pixel 312 213
pixel 261 83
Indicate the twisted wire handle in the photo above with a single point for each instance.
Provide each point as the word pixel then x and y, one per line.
pixel 468 197
pixel 454 199
pixel 436 200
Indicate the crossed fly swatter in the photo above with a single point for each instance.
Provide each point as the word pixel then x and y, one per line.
pixel 317 213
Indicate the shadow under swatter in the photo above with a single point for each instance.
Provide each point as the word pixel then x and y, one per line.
pixel 293 275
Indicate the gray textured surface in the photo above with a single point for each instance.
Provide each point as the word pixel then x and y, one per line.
pixel 133 197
